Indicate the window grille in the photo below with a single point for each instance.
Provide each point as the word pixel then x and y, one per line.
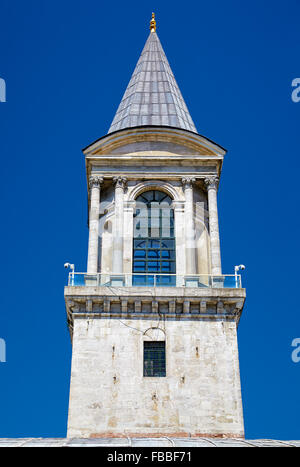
pixel 154 359
pixel 154 242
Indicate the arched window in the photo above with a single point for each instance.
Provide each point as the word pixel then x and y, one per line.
pixel 154 240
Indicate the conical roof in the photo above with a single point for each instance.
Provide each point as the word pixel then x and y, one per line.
pixel 152 96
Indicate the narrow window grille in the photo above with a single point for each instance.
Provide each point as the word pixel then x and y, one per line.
pixel 154 359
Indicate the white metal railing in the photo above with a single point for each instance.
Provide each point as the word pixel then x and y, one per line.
pixel 83 279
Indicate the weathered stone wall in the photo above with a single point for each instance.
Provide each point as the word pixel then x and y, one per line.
pixel 199 396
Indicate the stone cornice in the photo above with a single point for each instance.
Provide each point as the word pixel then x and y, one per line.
pixel 103 302
pixel 151 157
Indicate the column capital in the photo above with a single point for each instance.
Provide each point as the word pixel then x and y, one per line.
pixel 95 181
pixel 187 182
pixel 120 182
pixel 211 182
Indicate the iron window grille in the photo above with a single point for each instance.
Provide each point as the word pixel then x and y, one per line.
pixel 155 358
pixel 154 239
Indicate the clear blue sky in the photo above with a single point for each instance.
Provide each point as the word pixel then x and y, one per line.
pixel 66 66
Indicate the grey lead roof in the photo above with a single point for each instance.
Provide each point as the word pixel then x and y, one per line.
pixel 144 442
pixel 152 96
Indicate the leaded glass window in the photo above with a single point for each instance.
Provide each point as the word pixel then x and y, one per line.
pixel 154 240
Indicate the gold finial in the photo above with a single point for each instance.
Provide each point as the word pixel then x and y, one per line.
pixel 153 23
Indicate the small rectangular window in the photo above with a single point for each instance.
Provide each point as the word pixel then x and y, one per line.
pixel 154 359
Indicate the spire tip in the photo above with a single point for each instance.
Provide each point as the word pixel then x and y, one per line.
pixel 153 23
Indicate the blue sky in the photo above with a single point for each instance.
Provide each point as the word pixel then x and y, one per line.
pixel 66 65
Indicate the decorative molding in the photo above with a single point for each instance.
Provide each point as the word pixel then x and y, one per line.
pixel 187 182
pixel 124 306
pixel 239 307
pixel 186 306
pixel 137 306
pixel 211 182
pixel 203 306
pixel 153 185
pixel 95 181
pixel 178 206
pixel 200 144
pixel 222 305
pixel 172 306
pixel 106 305
pixel 120 182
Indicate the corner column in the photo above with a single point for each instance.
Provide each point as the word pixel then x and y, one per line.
pixel 212 183
pixel 94 186
pixel 190 250
pixel 117 264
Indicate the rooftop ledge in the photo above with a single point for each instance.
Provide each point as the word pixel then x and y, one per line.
pixel 134 280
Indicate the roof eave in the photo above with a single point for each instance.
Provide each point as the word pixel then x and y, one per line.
pixel 196 136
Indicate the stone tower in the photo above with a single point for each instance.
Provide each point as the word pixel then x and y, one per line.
pixel 154 321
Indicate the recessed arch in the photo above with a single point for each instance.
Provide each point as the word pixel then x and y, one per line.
pixel 154 334
pixel 153 185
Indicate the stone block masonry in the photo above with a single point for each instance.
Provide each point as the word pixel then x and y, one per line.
pixel 109 396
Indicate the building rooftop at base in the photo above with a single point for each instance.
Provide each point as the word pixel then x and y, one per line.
pixel 145 442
